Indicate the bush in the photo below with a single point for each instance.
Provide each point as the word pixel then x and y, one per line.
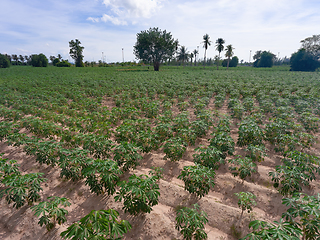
pixel 303 61
pixel 264 60
pixel 55 61
pixel 233 62
pixel 63 63
pixel 4 61
pixel 39 60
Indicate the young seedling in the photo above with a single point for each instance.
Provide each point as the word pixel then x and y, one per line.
pixel 246 200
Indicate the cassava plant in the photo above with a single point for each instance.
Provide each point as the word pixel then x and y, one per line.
pixel 102 224
pixel 190 222
pixel 198 179
pixel 51 213
pixel 139 194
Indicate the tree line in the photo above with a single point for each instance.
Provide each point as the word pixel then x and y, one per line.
pixel 156 47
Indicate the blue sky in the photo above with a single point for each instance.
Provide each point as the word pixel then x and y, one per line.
pixel 107 26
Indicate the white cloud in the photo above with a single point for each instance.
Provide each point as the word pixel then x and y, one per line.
pixel 114 20
pixel 133 8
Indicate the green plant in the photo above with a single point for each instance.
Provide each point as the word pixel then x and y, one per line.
pixel 278 230
pixel 50 212
pixel 174 148
pixel 210 157
pixel 242 167
pixel 139 193
pixel 102 175
pixel 246 200
pixel 22 188
pixel 190 222
pixel 198 179
pixel 304 212
pixel 126 155
pixel 102 224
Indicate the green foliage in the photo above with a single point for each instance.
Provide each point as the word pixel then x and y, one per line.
pixel 50 212
pixel 250 133
pixel 102 224
pixel 233 62
pixel 63 63
pixel 76 52
pixel 279 230
pixel 20 189
pixel 154 46
pixel 102 176
pixel 126 155
pixel 223 142
pixel 197 179
pixel 264 59
pixel 4 61
pixel 174 148
pixel 190 222
pixel 139 194
pixel 39 60
pixel 256 152
pixel 303 61
pixel 242 167
pixel 304 212
pixel 298 170
pixel 210 157
pixel 246 200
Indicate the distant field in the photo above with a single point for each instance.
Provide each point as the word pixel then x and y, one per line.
pixel 59 121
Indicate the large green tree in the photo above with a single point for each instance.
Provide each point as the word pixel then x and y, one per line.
pixel 76 52
pixel 312 45
pixel 219 48
pixel 206 43
pixel 155 46
pixel 303 61
pixel 263 59
pixel 39 60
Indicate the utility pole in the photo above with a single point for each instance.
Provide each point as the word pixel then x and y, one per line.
pixel 102 58
pixel 250 57
pixel 122 56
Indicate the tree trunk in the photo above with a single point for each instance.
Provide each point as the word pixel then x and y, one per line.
pixel 156 66
pixel 204 62
pixel 228 63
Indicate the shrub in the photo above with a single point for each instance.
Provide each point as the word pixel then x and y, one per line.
pixel 4 61
pixel 63 63
pixel 303 61
pixel 39 60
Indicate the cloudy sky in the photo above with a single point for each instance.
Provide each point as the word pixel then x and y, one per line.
pixel 107 26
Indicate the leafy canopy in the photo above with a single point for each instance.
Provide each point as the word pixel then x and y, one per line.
pixel 154 46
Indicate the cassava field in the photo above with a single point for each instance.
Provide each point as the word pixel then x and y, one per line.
pixel 240 145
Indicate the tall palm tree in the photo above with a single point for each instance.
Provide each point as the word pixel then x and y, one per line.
pixel 206 44
pixel 195 53
pixel 229 53
pixel 219 48
pixel 183 54
pixel 191 57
